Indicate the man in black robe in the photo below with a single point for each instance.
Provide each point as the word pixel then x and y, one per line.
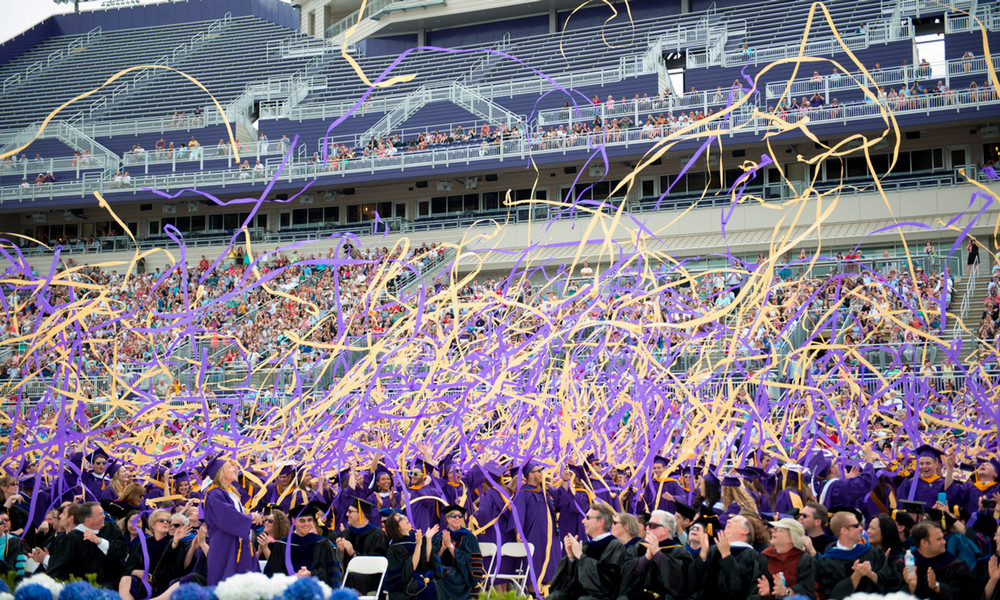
pixel 311 553
pixel 93 546
pixel 361 538
pixel 458 553
pixel 849 566
pixel 938 573
pixel 590 570
pixel 730 568
pixel 662 571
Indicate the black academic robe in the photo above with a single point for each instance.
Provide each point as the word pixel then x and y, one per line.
pixel 734 576
pixel 367 541
pixel 836 566
pixel 312 551
pixel 15 553
pixel 162 568
pixel 72 556
pixel 402 581
pixel 461 571
pixel 665 576
pixel 953 575
pixel 595 576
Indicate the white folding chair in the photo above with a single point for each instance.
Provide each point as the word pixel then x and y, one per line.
pixel 368 565
pixel 517 550
pixel 488 550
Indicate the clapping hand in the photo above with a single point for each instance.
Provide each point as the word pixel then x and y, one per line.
pixel 932 579
pixel 722 543
pixel 303 572
pixel 181 533
pixel 90 536
pixel 446 540
pixel 652 545
pixel 763 587
pixel 994 569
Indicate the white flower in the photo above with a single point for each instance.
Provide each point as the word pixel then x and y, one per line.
pixel 253 586
pixel 45 581
pixel 6 596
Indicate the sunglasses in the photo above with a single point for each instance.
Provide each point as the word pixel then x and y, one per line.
pixel 653 526
pixel 163 520
pixel 454 516
pixel 269 520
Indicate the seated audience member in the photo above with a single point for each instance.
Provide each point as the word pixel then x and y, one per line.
pixel 95 546
pixel 937 573
pixel 849 565
pixel 787 556
pixel 590 570
pixel 731 567
pixel 662 571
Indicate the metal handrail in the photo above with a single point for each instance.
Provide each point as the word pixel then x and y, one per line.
pixel 77 44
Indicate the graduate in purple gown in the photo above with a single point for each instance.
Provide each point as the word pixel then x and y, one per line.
pixel 536 512
pixel 571 501
pixel 661 492
pixel 383 493
pixel 927 484
pixel 591 476
pixel 96 478
pixel 156 483
pixel 494 520
pixel 424 498
pixel 230 526
pixel 982 484
pixel 834 488
pixel 452 485
pixel 290 490
pixel 791 490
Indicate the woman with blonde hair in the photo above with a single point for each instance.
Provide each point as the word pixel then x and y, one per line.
pixel 629 531
pixel 120 476
pixel 230 526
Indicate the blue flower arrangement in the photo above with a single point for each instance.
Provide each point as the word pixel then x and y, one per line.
pixel 192 591
pixel 32 591
pixel 304 589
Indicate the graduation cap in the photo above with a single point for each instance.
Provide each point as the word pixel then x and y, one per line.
pixel 902 518
pixel 313 509
pixel 730 481
pixel 660 459
pixel 385 513
pixel 289 469
pixel 712 478
pixel 115 509
pixel 99 453
pixel 819 465
pixel 960 513
pixel 751 473
pixel 379 470
pixel 182 477
pixel 212 467
pixel 928 451
pixel 158 472
pixel 113 467
pixel 685 510
pixel 26 482
pixel 363 506
pixel 709 520
pixel 942 517
pixel 419 464
pixel 495 470
pixel 453 508
pixel 271 507
pixel 530 466
pixel 26 463
pixel 912 506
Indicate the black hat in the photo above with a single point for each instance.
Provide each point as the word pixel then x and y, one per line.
pixel 942 517
pixel 115 509
pixel 710 520
pixel 313 509
pixel 453 508
pixel 363 506
pixel 903 518
pixel 685 510
pixel 912 506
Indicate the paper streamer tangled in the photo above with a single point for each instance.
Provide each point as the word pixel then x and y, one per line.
pixel 644 357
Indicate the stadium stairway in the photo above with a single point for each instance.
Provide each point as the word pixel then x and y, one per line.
pixel 974 318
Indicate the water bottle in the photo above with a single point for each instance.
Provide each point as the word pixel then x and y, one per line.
pixel 911 564
pixel 780 578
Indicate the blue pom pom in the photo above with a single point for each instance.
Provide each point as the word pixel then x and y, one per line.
pixel 32 591
pixel 3 588
pixel 344 594
pixel 306 588
pixel 101 594
pixel 192 591
pixel 78 590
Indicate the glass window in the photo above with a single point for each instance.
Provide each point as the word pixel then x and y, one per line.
pixel 439 205
pixel 299 217
pixel 921 160
pixel 198 223
pixel 454 204
pixel 215 222
pixel 331 214
pixel 491 200
pixel 423 208
pixel 284 220
pixel 262 220
pixel 648 188
pixel 315 215
pixel 354 213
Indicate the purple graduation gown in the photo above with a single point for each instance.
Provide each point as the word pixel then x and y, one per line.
pixel 230 531
pixel 496 521
pixel 918 490
pixel 847 492
pixel 652 496
pixel 571 506
pixel 537 514
pixel 95 484
pixel 425 512
pixel 971 495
